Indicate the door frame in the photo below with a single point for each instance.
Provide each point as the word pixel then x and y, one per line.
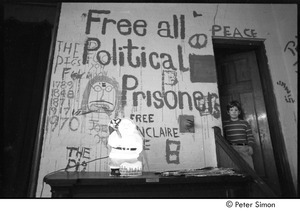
pixel 277 139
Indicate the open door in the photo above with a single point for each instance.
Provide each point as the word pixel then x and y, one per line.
pixel 239 79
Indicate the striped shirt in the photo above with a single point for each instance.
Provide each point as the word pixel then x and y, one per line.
pixel 238 132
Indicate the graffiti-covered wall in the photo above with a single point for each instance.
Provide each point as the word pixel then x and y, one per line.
pixel 156 68
pixel 152 63
pixel 286 82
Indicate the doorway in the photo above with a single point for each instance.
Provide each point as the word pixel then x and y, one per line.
pixel 26 47
pixel 240 78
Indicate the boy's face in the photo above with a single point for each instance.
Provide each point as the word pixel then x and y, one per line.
pixel 234 113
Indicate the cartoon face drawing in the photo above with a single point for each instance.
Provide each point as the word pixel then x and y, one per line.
pixel 100 95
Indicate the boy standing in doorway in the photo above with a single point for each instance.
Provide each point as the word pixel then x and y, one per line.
pixel 239 133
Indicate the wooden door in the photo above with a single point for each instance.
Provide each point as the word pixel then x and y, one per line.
pixel 239 79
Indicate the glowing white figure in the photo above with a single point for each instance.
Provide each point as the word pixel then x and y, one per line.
pixel 125 144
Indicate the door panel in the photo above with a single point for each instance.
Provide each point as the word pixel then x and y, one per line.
pixel 249 115
pixel 241 71
pixel 238 79
pixel 262 123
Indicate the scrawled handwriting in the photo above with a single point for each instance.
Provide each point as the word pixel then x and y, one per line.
pixel 77 158
pixel 206 105
pixel 228 31
pixel 288 97
pixel 292 47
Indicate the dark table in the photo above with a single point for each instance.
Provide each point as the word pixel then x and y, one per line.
pixel 149 185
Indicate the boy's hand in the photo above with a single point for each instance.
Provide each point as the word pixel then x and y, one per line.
pixel 251 145
pixel 250 150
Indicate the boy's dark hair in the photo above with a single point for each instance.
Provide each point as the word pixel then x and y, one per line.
pixel 234 104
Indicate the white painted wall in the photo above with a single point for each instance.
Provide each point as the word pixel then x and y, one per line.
pixel 67 127
pixel 286 22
